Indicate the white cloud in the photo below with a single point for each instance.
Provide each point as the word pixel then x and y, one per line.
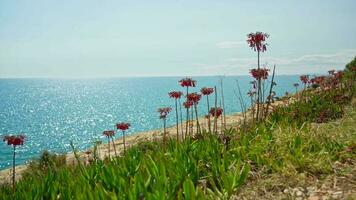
pixel 230 44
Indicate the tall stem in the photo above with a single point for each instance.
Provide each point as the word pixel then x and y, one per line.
pixel 177 119
pixel 164 130
pixel 222 120
pixel 270 92
pixel 109 146
pixel 191 123
pixel 215 119
pixel 13 169
pixel 181 118
pixel 223 103
pixel 124 141
pixel 258 88
pixel 186 123
pixel 113 144
pixel 196 116
pixel 207 101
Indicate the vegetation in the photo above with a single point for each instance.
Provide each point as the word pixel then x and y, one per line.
pixel 205 164
pixel 209 166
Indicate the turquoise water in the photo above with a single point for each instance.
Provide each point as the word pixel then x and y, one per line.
pixel 53 112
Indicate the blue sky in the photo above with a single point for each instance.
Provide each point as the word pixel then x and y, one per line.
pixel 86 38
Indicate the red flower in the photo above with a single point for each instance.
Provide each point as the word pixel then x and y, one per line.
pixel 14 140
pixel 304 79
pixel 188 104
pixel 194 97
pixel 109 133
pixel 259 74
pixel 257 41
pixel 175 94
pixel 218 111
pixel 123 126
pixel 187 82
pixel 164 112
pixel 207 91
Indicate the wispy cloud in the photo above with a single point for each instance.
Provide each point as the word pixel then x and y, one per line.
pixel 230 44
pixel 312 63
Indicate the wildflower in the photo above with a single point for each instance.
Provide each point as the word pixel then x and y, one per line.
pixel 109 134
pixel 257 41
pixel 14 140
pixel 123 127
pixel 304 79
pixel 163 112
pixel 218 111
pixel 187 82
pixel 188 104
pixel 207 91
pixel 259 74
pixel 177 95
pixel 194 97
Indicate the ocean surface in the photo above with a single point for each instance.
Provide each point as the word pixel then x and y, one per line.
pixel 53 112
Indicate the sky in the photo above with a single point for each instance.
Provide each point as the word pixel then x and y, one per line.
pixel 85 38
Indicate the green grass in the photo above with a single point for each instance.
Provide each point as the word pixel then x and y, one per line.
pixel 290 141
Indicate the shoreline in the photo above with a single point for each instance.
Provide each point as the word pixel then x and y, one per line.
pixel 232 120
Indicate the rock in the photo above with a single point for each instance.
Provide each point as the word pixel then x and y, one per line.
pixel 299 193
pixel 286 191
pixel 337 195
pixel 313 198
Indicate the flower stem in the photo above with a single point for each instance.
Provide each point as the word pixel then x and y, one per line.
pixel 196 116
pixel 207 101
pixel 123 140
pixel 177 119
pixel 13 169
pixel 113 144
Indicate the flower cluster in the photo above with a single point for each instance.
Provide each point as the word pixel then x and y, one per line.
pixel 194 97
pixel 109 133
pixel 164 112
pixel 187 82
pixel 14 140
pixel 188 104
pixel 257 41
pixel 207 91
pixel 123 126
pixel 304 79
pixel 259 74
pixel 175 94
pixel 217 110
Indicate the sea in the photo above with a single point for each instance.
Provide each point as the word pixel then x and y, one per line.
pixel 53 112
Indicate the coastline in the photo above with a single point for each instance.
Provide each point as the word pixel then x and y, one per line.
pixel 232 120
